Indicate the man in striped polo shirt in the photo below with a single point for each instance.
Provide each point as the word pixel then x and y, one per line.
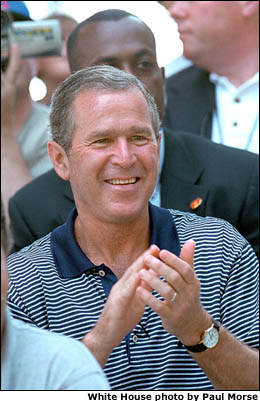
pixel 163 299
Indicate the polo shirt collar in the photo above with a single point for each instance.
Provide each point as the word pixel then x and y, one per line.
pixel 71 261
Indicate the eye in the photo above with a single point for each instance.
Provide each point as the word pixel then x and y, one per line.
pixel 145 65
pixel 139 139
pixel 102 141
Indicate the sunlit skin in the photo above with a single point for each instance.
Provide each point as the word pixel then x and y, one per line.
pixel 219 36
pixel 205 27
pixel 113 140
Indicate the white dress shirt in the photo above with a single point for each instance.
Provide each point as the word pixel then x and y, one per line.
pixel 236 118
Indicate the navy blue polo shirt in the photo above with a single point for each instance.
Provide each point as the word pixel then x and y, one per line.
pixel 71 262
pixel 52 286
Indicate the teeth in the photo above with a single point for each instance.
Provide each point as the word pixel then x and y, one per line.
pixel 122 182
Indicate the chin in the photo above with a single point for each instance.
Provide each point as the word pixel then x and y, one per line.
pixel 122 213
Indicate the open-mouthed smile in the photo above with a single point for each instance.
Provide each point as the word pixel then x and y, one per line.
pixel 121 181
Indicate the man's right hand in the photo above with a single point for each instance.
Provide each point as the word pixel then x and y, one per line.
pixel 122 312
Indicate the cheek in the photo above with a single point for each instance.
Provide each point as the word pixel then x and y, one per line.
pixel 151 159
pixel 86 166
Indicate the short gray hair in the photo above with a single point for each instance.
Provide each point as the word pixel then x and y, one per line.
pixel 101 77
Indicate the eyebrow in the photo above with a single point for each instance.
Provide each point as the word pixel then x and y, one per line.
pixel 112 132
pixel 112 59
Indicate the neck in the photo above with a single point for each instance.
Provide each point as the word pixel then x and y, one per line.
pixel 241 72
pixel 115 245
pixel 238 65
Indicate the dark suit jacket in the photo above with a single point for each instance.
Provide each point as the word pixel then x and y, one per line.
pixel 225 178
pixel 190 102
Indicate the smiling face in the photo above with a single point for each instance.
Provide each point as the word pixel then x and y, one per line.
pixel 126 44
pixel 113 161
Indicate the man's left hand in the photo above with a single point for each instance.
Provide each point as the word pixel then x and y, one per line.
pixel 181 312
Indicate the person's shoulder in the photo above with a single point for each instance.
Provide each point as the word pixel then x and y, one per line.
pixel 38 253
pixel 67 357
pixel 189 217
pixel 201 225
pixel 39 120
pixel 233 159
pixel 205 149
pixel 56 342
pixel 48 182
pixel 41 108
pixel 213 236
pixel 192 73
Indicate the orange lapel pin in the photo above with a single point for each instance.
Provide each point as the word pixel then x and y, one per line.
pixel 196 203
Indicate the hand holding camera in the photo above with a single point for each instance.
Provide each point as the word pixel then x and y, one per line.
pixel 8 87
pixel 34 38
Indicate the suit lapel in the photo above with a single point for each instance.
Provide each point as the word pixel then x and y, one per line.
pixel 181 173
pixel 193 93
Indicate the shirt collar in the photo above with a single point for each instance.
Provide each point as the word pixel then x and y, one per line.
pixel 70 260
pixel 223 81
pixel 161 153
pixel 156 196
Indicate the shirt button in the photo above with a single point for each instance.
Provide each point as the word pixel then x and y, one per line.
pixel 135 338
pixel 102 273
pixel 237 99
pixel 234 124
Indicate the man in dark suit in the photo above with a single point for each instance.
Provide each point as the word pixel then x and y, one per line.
pixel 196 174
pixel 217 97
pixel 190 102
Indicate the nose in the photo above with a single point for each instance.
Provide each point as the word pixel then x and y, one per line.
pixel 177 9
pixel 123 155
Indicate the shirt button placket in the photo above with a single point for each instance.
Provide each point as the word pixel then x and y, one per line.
pixel 135 338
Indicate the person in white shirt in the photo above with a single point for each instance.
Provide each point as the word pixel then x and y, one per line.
pixel 218 96
pixel 33 358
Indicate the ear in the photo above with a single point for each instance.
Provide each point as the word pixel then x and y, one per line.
pixel 163 73
pixel 163 79
pixel 59 159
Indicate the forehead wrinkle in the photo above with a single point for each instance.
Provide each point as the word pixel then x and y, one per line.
pixel 79 107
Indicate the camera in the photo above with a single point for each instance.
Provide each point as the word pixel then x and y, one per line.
pixel 34 38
